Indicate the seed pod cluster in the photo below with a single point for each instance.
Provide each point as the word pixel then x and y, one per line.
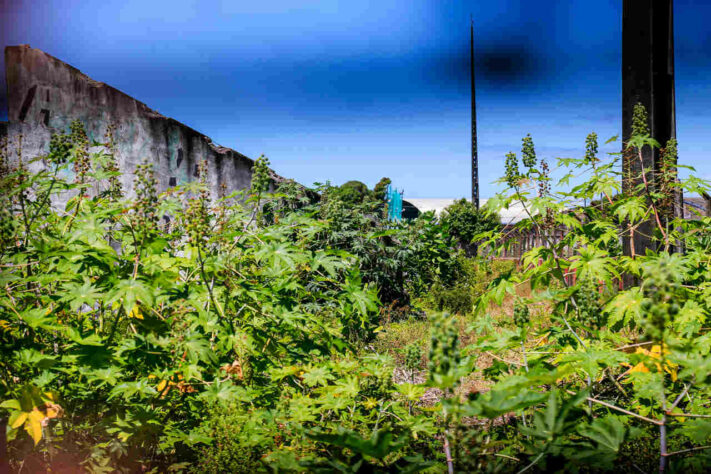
pixel 60 147
pixel 413 356
pixel 513 176
pixel 659 305
pixel 528 152
pixel 7 222
pixel 640 120
pixel 4 162
pixel 521 315
pixel 260 175
pixel 587 300
pixel 197 215
pixel 80 141
pixel 115 190
pixel 8 225
pixel 197 220
pixel 444 348
pixel 144 217
pixel 591 148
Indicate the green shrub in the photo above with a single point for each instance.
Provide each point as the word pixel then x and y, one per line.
pixel 457 300
pixel 380 188
pixel 239 440
pixel 465 221
pixel 468 279
pixel 353 192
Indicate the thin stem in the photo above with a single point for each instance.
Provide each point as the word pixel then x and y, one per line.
pixel 533 463
pixel 651 201
pixel 630 346
pixel 663 425
pixel 557 262
pixel 507 457
pixel 617 384
pixel 204 279
pixel 448 454
pixel 678 399
pixel 46 196
pixel 621 410
pixel 688 415
pixel 510 362
pixel 699 448
pixel 447 451
pixel 571 329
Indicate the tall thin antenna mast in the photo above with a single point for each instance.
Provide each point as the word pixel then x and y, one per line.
pixel 475 154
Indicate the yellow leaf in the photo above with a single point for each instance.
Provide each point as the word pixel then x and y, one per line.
pixel 639 368
pixel 19 420
pixel 655 352
pixel 135 313
pixel 34 425
pixel 370 403
pixel 161 385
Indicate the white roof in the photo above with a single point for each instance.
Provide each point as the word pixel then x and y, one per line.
pixel 511 215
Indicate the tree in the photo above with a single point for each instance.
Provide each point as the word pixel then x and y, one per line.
pixel 381 187
pixel 465 221
pixel 353 192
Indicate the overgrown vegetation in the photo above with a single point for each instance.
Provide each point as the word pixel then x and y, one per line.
pixel 302 331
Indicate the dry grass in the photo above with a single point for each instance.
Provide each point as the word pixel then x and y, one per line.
pixel 396 336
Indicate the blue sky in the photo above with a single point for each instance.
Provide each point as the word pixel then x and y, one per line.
pixel 341 90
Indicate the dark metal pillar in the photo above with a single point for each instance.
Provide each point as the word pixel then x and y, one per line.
pixel 647 78
pixel 475 153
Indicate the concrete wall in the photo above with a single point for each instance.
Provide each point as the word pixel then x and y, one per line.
pixel 46 94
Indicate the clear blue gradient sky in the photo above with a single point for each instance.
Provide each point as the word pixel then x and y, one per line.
pixel 340 90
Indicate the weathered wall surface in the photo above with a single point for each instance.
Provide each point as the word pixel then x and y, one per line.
pixel 46 94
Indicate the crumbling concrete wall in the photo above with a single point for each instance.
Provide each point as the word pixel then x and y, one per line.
pixel 45 95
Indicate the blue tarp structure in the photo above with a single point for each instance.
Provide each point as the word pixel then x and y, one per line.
pixel 393 198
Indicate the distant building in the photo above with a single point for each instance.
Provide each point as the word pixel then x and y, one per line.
pixel 45 95
pixel 507 216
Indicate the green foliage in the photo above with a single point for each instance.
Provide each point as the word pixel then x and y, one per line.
pixel 446 364
pixel 181 331
pixel 124 331
pixel 172 330
pixel 521 315
pixel 413 356
pixel 620 368
pixel 465 221
pixel 400 259
pixel 457 300
pixel 353 192
pixel 457 291
pixel 381 187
